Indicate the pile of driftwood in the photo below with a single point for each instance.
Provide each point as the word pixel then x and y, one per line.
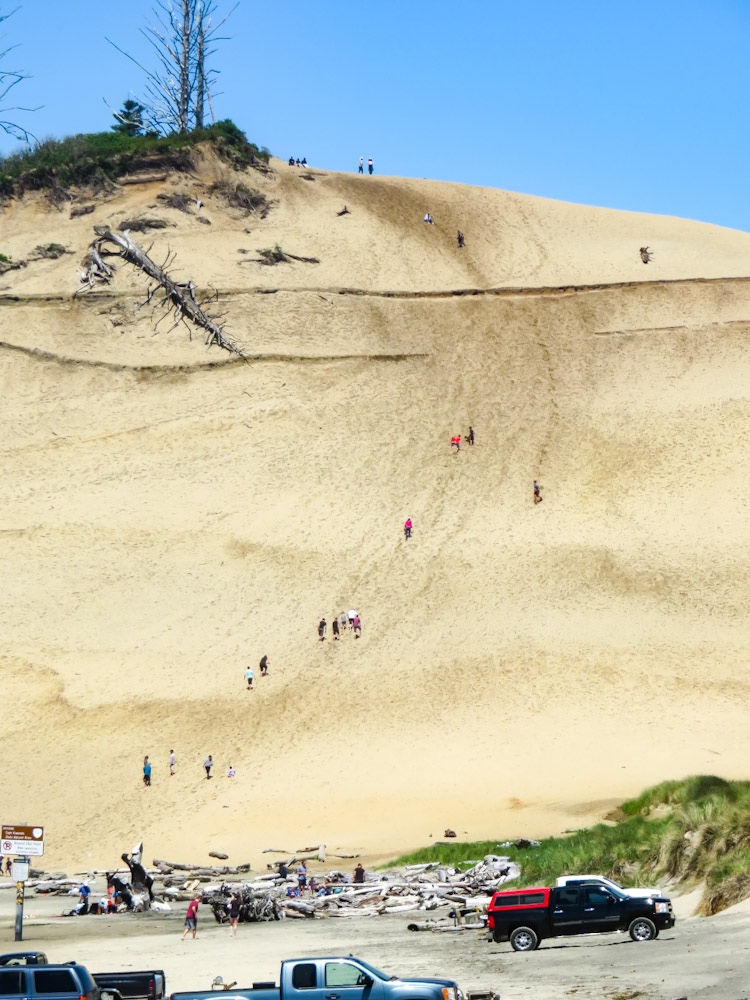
pixel 428 887
pixel 277 894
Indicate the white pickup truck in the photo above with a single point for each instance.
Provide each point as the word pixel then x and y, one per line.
pixel 602 879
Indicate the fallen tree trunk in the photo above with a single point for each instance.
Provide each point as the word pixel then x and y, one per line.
pixel 165 867
pixel 179 295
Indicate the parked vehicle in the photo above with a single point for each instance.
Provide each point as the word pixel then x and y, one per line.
pixel 640 893
pixel 526 916
pixel 149 985
pixel 24 958
pixel 316 978
pixel 47 982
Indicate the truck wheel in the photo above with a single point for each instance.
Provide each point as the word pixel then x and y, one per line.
pixel 642 929
pixel 523 939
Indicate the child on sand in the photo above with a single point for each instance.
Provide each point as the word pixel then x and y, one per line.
pixel 537 492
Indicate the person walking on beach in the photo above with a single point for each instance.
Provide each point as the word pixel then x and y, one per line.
pixel 344 619
pixel 249 678
pixel 407 528
pixel 356 627
pixel 370 166
pixel 191 918
pixel 335 628
pixel 172 762
pixel 361 165
pixel 233 909
pixel 537 492
pixel 460 239
pixel 208 763
pixel 264 666
pixel 302 875
pixel 146 772
pixel 359 874
pixel 322 629
pixel 456 442
pixel 470 438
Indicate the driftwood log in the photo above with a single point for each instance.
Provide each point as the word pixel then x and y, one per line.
pixel 167 867
pixel 177 296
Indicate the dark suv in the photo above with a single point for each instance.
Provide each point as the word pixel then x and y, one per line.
pixel 47 982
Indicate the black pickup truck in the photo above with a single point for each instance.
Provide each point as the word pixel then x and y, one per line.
pixel 24 958
pixel 147 985
pixel 526 916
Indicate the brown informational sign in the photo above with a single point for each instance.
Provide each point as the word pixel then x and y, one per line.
pixel 22 840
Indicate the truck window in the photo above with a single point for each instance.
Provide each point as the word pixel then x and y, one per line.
pixel 343 974
pixel 54 981
pixel 567 897
pixel 510 900
pixel 596 895
pixel 10 982
pixel 532 898
pixel 303 976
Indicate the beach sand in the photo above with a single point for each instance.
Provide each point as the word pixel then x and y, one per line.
pixel 169 515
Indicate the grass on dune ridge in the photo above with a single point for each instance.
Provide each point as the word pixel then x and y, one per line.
pixel 683 833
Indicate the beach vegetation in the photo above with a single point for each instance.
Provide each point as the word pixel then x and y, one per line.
pixel 98 160
pixel 681 834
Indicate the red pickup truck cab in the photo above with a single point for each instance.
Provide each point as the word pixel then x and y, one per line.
pixel 527 916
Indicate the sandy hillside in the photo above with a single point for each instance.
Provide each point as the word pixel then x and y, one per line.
pixel 169 515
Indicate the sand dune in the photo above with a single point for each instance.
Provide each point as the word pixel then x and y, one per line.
pixel 169 515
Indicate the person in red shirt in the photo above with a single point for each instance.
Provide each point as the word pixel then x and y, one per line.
pixel 191 918
pixel 456 442
pixel 407 528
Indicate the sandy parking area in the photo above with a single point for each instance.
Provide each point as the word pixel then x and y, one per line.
pixel 700 958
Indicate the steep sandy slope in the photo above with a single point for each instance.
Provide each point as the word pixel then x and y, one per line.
pixel 169 515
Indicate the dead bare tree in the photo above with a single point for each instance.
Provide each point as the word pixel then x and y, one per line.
pixel 178 297
pixel 646 254
pixel 8 80
pixel 184 36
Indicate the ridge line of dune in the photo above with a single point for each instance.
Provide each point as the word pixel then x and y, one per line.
pixel 494 290
pixel 63 359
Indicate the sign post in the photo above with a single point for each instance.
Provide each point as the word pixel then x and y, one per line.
pixel 19 910
pixel 24 841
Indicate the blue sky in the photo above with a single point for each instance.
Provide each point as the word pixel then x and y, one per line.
pixel 635 104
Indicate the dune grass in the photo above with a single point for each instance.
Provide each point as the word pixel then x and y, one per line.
pixel 684 833
pixel 99 158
